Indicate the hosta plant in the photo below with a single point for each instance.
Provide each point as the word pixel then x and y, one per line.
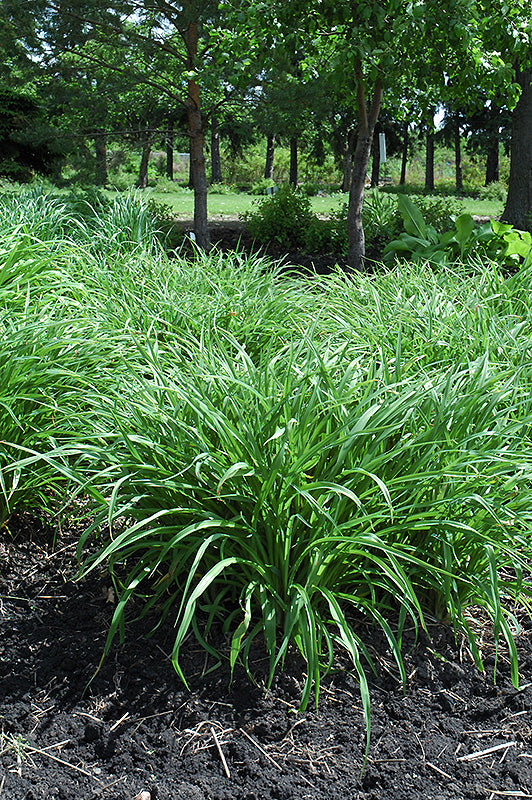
pixel 498 241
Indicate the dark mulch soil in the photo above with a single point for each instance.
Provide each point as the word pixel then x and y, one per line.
pixel 229 235
pixel 136 728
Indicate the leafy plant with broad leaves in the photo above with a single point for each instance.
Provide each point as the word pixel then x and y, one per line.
pixel 420 241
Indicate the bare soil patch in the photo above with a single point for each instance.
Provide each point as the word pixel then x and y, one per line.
pixel 229 235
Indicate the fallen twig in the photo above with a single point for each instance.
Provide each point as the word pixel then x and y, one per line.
pixel 61 761
pixel 220 752
pixel 487 752
pixel 262 750
pixel 53 746
pixel 119 721
pixel 437 769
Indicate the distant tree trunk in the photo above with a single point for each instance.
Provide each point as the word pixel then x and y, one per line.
pixel 366 126
pixel 458 155
pixel 57 170
pixel 347 170
pixel 270 152
pixel 197 143
pixel 376 162
pixel 492 163
pixel 100 146
pixel 145 158
pixel 429 157
pixel 216 164
pixel 404 155
pixel 190 184
pixel 492 160
pixel 347 160
pixel 170 152
pixel 518 210
pixel 293 161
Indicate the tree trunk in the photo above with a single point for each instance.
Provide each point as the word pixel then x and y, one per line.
pixel 216 164
pixel 492 163
pixel 458 155
pixel 197 141
pixel 492 160
pixel 347 170
pixel 100 146
pixel 270 152
pixel 366 126
pixel 375 162
pixel 143 170
pixel 429 159
pixel 170 152
pixel 518 210
pixel 347 160
pixel 190 184
pixel 293 161
pixel 404 155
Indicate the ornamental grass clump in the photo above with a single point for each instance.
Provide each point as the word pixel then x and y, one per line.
pixel 293 499
pixel 38 362
pixel 60 343
pixel 102 225
pixel 289 459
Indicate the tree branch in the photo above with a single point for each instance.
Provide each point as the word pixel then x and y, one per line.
pixel 140 77
pixel 119 31
pixel 376 103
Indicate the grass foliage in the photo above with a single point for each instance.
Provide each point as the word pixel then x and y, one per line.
pixel 298 460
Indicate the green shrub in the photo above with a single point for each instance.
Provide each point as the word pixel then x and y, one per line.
pixel 262 186
pixel 166 186
pixel 493 191
pixel 164 218
pixel 181 188
pixel 283 217
pixel 321 237
pixel 162 213
pixel 438 211
pixel 122 181
pixel 331 235
pixel 302 228
pixel 310 188
pixel 221 188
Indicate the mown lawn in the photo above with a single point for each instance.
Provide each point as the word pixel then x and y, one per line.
pixel 232 205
